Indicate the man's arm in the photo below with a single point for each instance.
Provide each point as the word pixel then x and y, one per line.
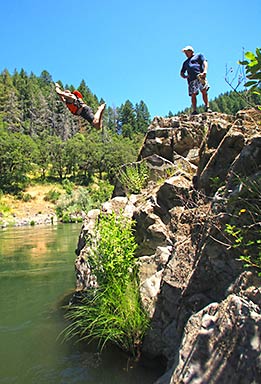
pixel 182 74
pixel 64 95
pixel 205 68
pixel 183 71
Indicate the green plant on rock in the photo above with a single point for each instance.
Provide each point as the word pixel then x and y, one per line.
pixel 244 228
pixel 134 177
pixel 110 314
pixel 215 182
pixel 113 311
pixel 114 257
pixel 253 71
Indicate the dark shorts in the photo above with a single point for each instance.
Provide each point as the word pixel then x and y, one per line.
pixel 87 113
pixel 195 86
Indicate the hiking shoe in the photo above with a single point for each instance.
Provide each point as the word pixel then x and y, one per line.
pixel 207 109
pixel 194 113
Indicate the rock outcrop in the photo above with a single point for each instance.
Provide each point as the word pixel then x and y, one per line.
pixel 204 307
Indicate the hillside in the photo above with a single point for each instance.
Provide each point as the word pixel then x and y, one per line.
pixel 34 211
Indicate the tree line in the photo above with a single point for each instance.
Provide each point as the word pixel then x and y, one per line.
pixel 29 105
pixel 229 103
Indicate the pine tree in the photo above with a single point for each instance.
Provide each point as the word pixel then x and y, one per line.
pixel 127 119
pixel 10 112
pixel 142 116
pixel 112 116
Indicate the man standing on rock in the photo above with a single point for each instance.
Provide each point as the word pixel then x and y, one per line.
pixel 194 69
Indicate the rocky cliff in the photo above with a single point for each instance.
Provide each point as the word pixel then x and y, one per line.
pixel 204 305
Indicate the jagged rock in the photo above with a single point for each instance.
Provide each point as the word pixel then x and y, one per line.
pixel 84 277
pixel 227 149
pixel 221 344
pixel 247 163
pixel 149 290
pixel 117 205
pixel 204 308
pixel 220 161
pixel 172 140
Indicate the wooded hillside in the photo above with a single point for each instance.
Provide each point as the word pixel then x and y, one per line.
pixel 40 138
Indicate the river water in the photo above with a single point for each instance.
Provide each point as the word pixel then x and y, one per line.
pixel 36 273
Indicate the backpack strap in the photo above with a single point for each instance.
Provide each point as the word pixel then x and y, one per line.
pixel 78 102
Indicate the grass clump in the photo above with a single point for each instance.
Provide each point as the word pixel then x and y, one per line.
pixel 113 311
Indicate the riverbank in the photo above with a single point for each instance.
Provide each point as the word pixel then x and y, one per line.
pixel 34 210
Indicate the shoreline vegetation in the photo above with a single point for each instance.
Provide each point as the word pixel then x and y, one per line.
pixel 49 203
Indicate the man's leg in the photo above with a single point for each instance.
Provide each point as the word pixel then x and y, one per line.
pixel 193 88
pixel 194 102
pixel 97 121
pixel 205 99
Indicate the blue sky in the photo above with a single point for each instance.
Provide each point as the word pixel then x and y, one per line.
pixel 128 49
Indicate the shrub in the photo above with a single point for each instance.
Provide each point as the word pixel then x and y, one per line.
pixel 113 311
pixel 253 71
pixel 72 205
pixel 68 186
pixel 24 196
pixel 52 196
pixel 100 192
pixel 244 228
pixel 82 199
pixel 113 257
pixel 134 177
pixel 4 208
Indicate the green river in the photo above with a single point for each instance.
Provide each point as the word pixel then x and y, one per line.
pixel 36 273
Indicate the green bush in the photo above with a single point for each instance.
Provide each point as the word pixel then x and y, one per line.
pixel 4 208
pixel 82 200
pixel 72 205
pixel 253 71
pixel 52 196
pixel 68 186
pixel 134 177
pixel 100 193
pixel 114 254
pixel 24 196
pixel 244 228
pixel 113 312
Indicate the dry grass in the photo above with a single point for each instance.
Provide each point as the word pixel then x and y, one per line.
pixel 36 205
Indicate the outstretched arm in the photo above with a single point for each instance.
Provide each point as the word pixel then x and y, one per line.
pixel 59 91
pixel 64 95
